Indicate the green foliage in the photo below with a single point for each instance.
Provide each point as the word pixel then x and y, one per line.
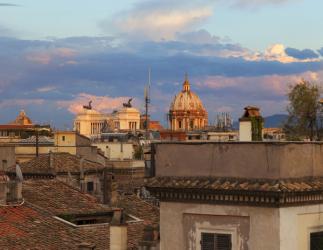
pixel 303 108
pixel 256 128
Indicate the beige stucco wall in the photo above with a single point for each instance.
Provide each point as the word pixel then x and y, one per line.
pixel 239 159
pixel 69 138
pixel 245 133
pixel 253 227
pixel 112 150
pixel 296 224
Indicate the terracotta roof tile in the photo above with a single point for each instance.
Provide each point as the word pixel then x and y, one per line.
pixel 237 184
pixel 60 198
pixel 61 163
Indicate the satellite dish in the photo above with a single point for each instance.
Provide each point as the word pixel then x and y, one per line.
pixel 19 175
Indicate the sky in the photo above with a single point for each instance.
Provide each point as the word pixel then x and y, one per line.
pixel 55 56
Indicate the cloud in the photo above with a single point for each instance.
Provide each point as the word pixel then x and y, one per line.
pixel 268 85
pixel 45 56
pixel 45 89
pixel 8 5
pixel 159 20
pixel 225 75
pixel 301 54
pixel 100 103
pixel 21 103
pixel 258 3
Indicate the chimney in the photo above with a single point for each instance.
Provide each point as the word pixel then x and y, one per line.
pixel 150 239
pixel 251 124
pixel 51 160
pixel 14 195
pixel 118 231
pixel 82 181
pixel 4 179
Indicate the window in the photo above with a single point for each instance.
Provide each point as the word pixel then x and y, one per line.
pixel 192 124
pixel 179 124
pixel 316 241
pixel 90 186
pixel 216 241
pixel 4 164
pixel 63 138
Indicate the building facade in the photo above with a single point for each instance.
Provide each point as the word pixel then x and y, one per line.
pixel 239 196
pixel 187 111
pixel 90 122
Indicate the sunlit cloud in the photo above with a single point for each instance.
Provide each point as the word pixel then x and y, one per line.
pixel 45 56
pixel 46 89
pixel 160 20
pixel 99 103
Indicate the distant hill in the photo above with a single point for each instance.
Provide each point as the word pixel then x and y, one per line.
pixel 272 121
pixel 275 121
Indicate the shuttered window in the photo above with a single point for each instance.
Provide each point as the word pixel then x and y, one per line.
pixel 316 241
pixel 215 241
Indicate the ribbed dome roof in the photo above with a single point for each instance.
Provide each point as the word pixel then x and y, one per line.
pixel 186 99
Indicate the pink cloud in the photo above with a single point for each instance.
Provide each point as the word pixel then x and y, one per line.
pixel 45 56
pixel 99 103
pixel 276 84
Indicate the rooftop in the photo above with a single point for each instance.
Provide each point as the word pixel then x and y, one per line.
pixel 53 163
pixel 59 198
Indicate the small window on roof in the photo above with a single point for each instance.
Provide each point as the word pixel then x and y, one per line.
pixel 90 186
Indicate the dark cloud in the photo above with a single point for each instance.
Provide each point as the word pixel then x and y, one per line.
pixel 301 54
pixel 60 69
pixel 320 51
pixel 8 5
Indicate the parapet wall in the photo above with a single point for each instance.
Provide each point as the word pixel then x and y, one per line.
pixel 240 160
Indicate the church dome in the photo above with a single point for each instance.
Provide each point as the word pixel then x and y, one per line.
pixel 22 119
pixel 187 111
pixel 187 100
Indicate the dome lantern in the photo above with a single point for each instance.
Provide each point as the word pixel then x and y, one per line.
pixel 186 84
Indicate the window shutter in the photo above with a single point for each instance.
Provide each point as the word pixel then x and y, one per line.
pixel 316 241
pixel 214 241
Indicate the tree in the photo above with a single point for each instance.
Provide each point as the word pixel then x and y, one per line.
pixel 303 110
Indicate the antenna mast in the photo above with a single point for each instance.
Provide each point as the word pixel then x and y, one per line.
pixel 147 101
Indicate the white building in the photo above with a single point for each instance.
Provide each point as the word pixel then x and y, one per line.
pixel 90 122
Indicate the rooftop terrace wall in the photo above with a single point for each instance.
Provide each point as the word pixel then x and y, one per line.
pixel 264 160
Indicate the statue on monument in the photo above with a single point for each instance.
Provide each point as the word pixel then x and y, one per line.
pixel 88 106
pixel 128 104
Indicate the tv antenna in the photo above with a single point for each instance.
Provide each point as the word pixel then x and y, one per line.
pixel 147 101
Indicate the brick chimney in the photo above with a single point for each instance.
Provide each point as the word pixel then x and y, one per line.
pixel 150 240
pixel 10 190
pixel 82 181
pixel 250 124
pixel 118 231
pixel 4 179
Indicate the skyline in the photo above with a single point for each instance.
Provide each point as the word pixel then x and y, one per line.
pixel 57 56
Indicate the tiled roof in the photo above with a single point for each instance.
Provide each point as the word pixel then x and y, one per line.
pixel 61 163
pixel 139 208
pixel 41 140
pixel 59 198
pixel 33 226
pixel 27 227
pixel 236 184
